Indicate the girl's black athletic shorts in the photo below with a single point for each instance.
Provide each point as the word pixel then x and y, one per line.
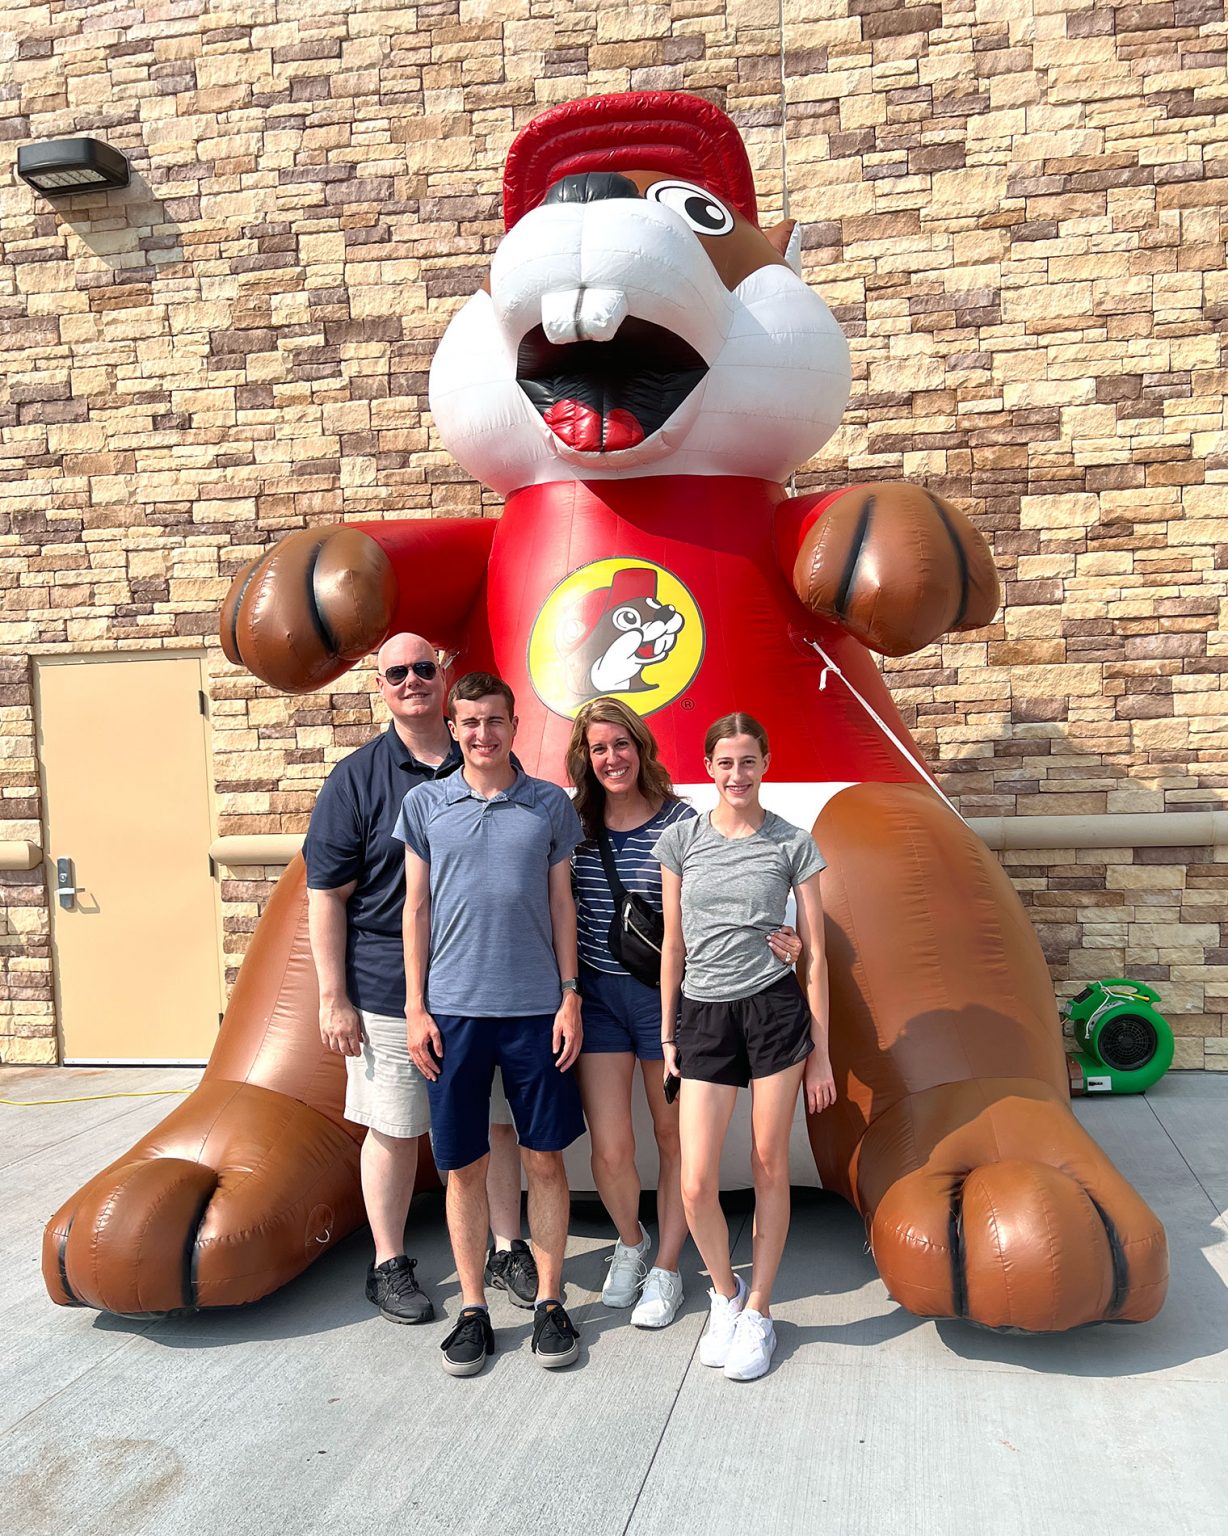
pixel 751 1037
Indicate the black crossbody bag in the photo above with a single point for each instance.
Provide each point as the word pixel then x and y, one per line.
pixel 637 929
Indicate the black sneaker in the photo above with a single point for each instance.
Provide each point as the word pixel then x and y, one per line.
pixel 555 1340
pixel 465 1349
pixel 514 1272
pixel 394 1290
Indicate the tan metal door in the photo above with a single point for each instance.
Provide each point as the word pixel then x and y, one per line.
pixel 125 778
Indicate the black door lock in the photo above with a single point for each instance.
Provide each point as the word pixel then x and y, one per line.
pixel 65 887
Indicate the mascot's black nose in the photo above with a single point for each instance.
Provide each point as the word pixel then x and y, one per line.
pixel 593 187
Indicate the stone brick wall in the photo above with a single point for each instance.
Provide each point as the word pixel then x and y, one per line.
pixel 1014 206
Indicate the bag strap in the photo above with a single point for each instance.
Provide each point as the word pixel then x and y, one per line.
pixel 617 888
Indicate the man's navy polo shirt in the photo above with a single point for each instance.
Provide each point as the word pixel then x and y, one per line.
pixel 350 838
pixel 492 942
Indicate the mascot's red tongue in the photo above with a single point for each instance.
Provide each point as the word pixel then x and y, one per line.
pixel 581 427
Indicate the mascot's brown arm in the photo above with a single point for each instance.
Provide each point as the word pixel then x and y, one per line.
pixel 306 610
pixel 893 564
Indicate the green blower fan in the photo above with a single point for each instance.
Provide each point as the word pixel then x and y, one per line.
pixel 1124 1044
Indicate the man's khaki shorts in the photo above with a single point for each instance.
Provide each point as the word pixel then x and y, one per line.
pixel 384 1090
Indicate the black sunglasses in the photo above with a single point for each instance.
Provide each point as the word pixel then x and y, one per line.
pixel 426 670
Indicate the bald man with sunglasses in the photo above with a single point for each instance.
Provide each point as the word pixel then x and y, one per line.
pixel 356 894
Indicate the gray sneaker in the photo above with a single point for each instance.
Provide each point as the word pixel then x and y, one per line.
pixel 628 1267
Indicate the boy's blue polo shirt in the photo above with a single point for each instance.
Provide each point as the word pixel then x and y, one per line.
pixel 492 947
pixel 351 838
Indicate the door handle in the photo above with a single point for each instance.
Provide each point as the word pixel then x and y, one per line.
pixel 65 890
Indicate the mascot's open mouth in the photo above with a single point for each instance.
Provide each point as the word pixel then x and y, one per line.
pixel 602 396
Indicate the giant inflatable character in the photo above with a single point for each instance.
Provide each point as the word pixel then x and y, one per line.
pixel 638 378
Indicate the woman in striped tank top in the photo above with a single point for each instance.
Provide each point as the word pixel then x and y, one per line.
pixel 624 792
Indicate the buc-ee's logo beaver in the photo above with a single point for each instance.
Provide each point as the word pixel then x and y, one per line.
pixel 621 626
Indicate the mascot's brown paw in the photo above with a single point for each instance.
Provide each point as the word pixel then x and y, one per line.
pixel 1016 1219
pixel 234 1194
pixel 310 607
pixel 897 567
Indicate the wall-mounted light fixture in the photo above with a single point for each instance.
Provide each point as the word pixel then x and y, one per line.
pixel 71 165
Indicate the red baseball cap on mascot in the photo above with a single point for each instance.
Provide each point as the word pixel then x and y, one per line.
pixel 627 587
pixel 667 131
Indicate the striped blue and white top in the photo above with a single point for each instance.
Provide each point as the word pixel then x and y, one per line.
pixel 638 871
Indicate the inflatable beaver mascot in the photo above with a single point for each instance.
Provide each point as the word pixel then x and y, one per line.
pixel 638 378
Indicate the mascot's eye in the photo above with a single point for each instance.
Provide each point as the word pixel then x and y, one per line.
pixel 700 209
pixel 625 618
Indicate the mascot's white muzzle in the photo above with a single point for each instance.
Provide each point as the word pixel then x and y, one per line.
pixel 579 270
pixel 607 344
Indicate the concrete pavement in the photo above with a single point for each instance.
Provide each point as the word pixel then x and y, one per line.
pixel 308 1413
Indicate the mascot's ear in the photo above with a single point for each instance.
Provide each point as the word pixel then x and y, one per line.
pixel 785 239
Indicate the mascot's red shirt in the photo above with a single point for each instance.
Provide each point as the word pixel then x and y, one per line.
pixel 670 592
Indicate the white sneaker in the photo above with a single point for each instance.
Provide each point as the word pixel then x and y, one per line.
pixel 754 1343
pixel 627 1271
pixel 722 1320
pixel 659 1300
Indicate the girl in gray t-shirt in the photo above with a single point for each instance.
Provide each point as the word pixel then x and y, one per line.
pixel 725 879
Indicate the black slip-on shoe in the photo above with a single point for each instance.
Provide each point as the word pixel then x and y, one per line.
pixel 394 1289
pixel 514 1272
pixel 465 1349
pixel 555 1340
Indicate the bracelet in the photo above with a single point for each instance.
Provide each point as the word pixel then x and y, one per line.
pixel 673 1039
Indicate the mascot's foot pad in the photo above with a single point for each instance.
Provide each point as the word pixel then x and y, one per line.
pixel 1016 1219
pixel 231 1196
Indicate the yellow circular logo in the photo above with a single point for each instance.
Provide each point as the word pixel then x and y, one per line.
pixel 622 628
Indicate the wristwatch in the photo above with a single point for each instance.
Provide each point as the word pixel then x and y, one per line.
pixel 571 985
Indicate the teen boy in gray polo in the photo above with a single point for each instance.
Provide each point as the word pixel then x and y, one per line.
pixel 490 966
pixel 356 891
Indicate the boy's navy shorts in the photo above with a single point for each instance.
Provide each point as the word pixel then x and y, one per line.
pixel 545 1102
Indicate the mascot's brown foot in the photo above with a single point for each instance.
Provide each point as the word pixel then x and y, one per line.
pixel 953 1135
pixel 249 1179
pixel 1015 1218
pixel 235 1193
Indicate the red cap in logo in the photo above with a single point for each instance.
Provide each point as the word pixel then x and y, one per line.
pixel 628 585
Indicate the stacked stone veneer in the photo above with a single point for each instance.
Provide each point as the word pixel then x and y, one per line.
pixel 1014 206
